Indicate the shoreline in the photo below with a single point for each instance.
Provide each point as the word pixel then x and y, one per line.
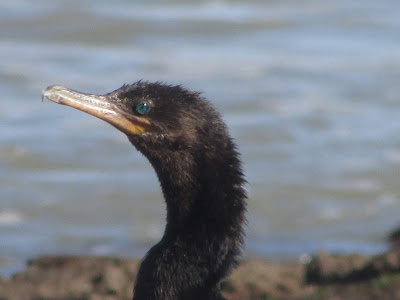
pixel 326 276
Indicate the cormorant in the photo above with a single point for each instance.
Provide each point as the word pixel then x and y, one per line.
pixel 200 173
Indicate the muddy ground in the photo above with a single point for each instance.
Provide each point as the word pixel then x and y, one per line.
pixel 326 276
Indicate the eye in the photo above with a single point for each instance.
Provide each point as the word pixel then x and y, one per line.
pixel 142 108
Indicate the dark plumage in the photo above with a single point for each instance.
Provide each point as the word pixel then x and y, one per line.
pixel 200 174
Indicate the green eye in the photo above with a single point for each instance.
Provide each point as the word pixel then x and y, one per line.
pixel 142 108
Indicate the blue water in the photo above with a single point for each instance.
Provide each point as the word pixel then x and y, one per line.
pixel 310 91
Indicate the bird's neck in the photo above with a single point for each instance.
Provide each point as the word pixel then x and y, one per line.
pixel 202 188
pixel 205 203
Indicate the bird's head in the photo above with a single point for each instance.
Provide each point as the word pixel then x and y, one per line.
pixel 148 113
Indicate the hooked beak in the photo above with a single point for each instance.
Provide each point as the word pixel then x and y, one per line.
pixel 100 106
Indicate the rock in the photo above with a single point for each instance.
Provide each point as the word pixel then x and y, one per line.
pixel 57 277
pixel 326 267
pixel 326 277
pixel 330 268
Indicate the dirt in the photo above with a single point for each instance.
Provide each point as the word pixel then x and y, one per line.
pixel 326 276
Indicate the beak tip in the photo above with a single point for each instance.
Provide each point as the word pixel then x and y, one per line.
pixel 50 91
